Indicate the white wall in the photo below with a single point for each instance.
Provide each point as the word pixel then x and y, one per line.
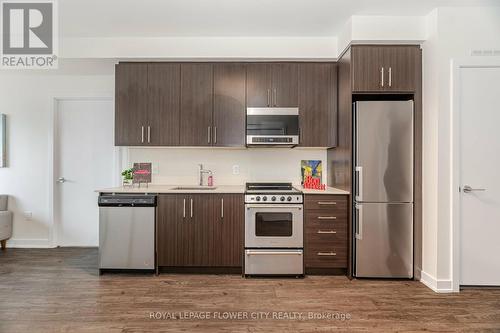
pixel 452 33
pixel 27 99
pixel 180 165
pixel 206 48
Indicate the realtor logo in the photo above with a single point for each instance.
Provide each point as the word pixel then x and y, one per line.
pixel 29 34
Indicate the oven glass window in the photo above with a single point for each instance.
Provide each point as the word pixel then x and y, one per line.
pixel 272 125
pixel 273 224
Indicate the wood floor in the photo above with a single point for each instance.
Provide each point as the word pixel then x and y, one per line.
pixel 58 290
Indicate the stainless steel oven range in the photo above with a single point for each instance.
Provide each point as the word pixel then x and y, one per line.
pixel 274 224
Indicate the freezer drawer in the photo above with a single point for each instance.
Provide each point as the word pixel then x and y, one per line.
pixel 274 262
pixel 384 240
pixel 384 151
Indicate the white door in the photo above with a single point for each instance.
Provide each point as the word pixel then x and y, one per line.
pixel 84 161
pixel 480 169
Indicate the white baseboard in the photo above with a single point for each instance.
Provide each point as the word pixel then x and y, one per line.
pixel 29 243
pixel 439 286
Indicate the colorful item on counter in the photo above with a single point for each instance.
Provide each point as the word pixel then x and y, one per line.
pixel 312 168
pixel 128 176
pixel 313 183
pixel 142 173
pixel 210 180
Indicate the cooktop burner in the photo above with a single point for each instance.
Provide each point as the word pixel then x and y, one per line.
pixel 270 187
pixel 278 193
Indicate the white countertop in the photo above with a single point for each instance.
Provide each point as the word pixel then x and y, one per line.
pixel 171 189
pixel 218 189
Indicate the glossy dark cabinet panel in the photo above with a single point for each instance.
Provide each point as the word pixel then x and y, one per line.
pixel 318 104
pixel 229 104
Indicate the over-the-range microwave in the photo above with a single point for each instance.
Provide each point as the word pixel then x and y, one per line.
pixel 272 127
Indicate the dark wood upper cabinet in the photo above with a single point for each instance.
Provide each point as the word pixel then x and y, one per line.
pixel 402 63
pixel 272 85
pixel 164 103
pixel 131 98
pixel 384 68
pixel 196 104
pixel 258 85
pixel 318 104
pixel 285 79
pixel 229 104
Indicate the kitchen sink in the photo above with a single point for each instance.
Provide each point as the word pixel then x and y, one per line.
pixel 195 188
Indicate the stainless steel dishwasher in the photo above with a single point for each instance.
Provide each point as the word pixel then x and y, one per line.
pixel 127 231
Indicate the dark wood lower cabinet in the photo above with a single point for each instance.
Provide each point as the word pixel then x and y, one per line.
pixel 200 230
pixel 326 233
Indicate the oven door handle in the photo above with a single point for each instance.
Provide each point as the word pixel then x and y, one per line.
pixel 249 252
pixel 284 206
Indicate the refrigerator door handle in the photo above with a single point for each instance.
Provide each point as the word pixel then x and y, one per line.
pixel 359 222
pixel 359 183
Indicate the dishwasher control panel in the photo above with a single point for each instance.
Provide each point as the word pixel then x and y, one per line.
pixel 127 201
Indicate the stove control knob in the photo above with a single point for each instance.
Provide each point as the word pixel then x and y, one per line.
pixel 282 199
pixel 289 198
pixel 257 198
pixel 273 198
pixel 264 198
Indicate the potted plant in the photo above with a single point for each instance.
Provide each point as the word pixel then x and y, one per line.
pixel 128 176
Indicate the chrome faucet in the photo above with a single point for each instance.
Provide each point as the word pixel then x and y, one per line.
pixel 201 172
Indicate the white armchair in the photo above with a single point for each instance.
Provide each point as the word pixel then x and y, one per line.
pixel 5 221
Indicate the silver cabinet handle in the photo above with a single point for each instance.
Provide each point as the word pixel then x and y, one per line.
pixel 327 254
pixel 191 207
pixel 468 189
pixel 390 76
pixel 268 97
pixel 327 203
pixel 382 77
pixel 184 208
pixel 327 217
pixel 142 134
pixel 149 134
pixel 275 97
pixel 215 134
pixel 326 232
pixel 222 208
pixel 61 180
pixel 209 134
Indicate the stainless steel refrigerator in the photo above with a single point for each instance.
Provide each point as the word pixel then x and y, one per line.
pixel 383 182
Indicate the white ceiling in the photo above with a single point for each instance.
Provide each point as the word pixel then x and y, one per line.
pixel 155 18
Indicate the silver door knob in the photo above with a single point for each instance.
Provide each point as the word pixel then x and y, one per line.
pixel 468 189
pixel 61 180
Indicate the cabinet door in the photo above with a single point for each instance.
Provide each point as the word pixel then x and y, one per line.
pixel 228 230
pixel 174 233
pixel 258 85
pixel 285 84
pixel 318 104
pixel 131 102
pixel 229 104
pixel 401 64
pixel 367 64
pixel 196 104
pixel 201 207
pixel 163 104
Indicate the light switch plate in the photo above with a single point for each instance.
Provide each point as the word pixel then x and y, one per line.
pixel 155 169
pixel 236 169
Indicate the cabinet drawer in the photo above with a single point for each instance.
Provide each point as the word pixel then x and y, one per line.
pixel 326 219
pixel 326 237
pixel 333 203
pixel 331 257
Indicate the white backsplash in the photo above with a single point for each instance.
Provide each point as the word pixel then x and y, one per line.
pixel 179 166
